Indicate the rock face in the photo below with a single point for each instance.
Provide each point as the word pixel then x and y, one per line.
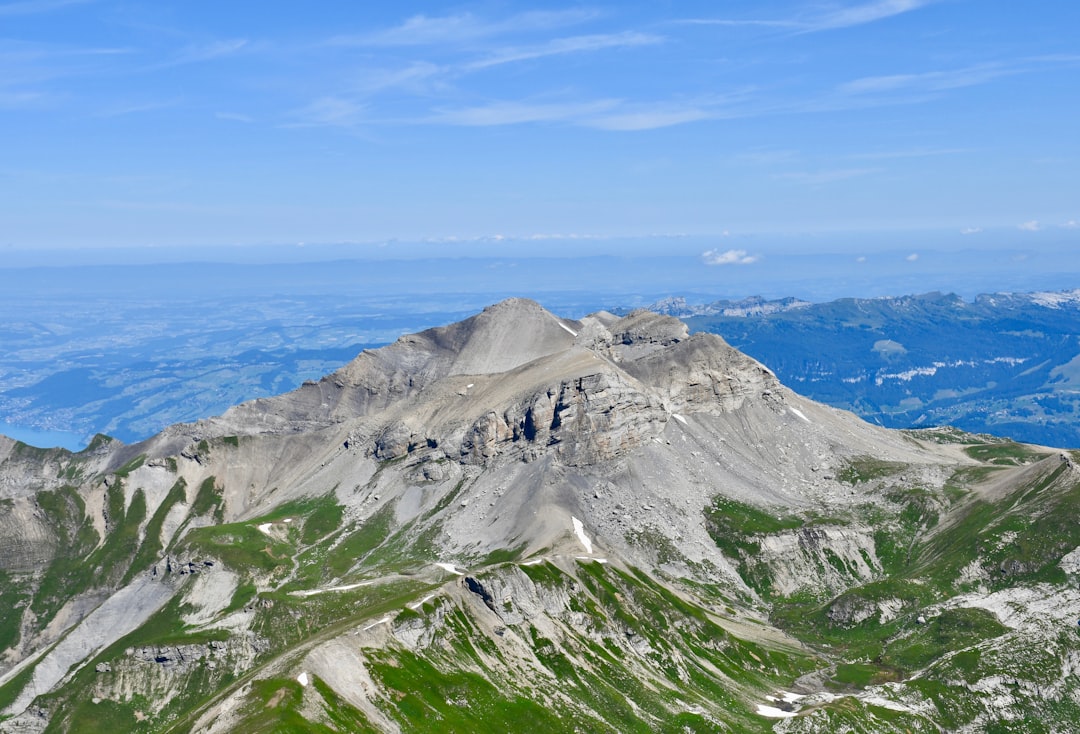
pixel 517 380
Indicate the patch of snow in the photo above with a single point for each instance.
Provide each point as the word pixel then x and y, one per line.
pixel 533 562
pixel 469 386
pixel 377 622
pixel 566 328
pixel 264 528
pixel 417 604
pixel 590 558
pixel 451 568
pixel 1055 300
pixel 302 679
pixel 579 530
pixel 346 587
pixel 288 519
pixel 790 697
pixel 798 413
pixel 774 713
pixel 679 418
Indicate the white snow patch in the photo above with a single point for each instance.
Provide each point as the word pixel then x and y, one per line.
pixel 679 418
pixel 469 386
pixel 798 413
pixel 566 328
pixel 417 604
pixel 346 587
pixel 579 530
pixel 264 528
pixel 450 567
pixel 377 622
pixel 590 558
pixel 1055 300
pixel 533 562
pixel 302 679
pixel 287 520
pixel 790 697
pixel 774 713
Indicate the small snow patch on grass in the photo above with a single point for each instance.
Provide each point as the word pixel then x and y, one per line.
pixel 302 679
pixel 417 604
pixel 774 713
pixel 376 623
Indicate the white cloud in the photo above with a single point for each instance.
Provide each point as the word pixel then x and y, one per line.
pixel 971 230
pixel 860 259
pixel 516 113
pixel 1032 226
pixel 416 78
pixel 601 114
pixel 574 44
pixel 422 30
pixel 728 257
pixel 841 18
pixel 208 51
pixel 32 7
pixel 1071 224
pixel 928 81
pixel 821 177
pixel 912 257
pixel 865 13
pixel 331 112
pixel 650 117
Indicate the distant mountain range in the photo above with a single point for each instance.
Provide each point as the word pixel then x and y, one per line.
pixel 1006 364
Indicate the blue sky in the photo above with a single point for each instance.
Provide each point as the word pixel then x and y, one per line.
pixel 582 126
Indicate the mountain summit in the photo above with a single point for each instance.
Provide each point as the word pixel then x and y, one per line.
pixel 603 524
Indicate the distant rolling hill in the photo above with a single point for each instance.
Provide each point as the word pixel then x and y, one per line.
pixel 1005 364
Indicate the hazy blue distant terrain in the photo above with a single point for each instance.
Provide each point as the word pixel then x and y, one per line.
pixel 1005 364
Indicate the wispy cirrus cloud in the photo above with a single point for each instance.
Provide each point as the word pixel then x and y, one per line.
pixel 331 112
pixel 199 52
pixel 33 7
pixel 910 153
pixel 422 30
pixel 816 178
pixel 1031 226
pixel 613 114
pixel 929 81
pixel 569 45
pixel 864 13
pixel 516 113
pixel 846 17
pixel 971 230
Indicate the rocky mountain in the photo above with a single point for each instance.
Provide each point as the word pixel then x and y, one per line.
pixel 604 525
pixel 1004 364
